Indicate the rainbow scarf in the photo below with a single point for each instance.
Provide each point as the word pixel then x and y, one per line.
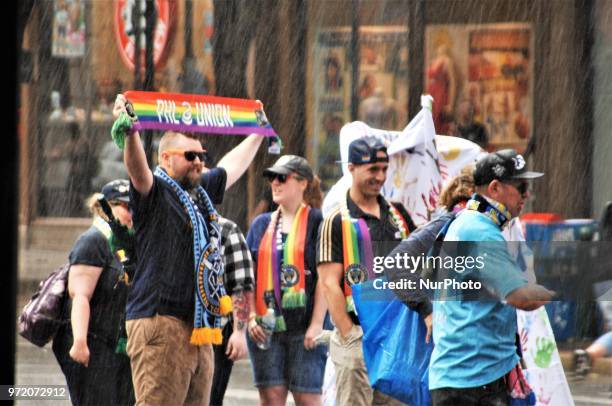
pixel 269 270
pixel 199 114
pixel 357 251
pixel 211 300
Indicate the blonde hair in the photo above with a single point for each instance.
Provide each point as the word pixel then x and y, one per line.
pixel 461 187
pixel 95 208
pixel 93 205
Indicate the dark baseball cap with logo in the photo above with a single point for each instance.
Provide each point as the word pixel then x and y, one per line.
pixel 117 190
pixel 504 165
pixel 367 150
pixel 287 164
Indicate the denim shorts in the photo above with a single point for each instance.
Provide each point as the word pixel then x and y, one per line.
pixel 288 363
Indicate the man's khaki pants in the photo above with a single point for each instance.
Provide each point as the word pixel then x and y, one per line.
pixel 166 368
pixel 352 383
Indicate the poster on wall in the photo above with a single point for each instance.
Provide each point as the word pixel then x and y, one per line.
pixel 382 88
pixel 481 79
pixel 68 36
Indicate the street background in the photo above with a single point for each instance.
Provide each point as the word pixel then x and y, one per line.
pixel 37 366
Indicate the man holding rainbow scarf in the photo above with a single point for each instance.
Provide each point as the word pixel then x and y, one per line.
pixel 349 238
pixel 177 296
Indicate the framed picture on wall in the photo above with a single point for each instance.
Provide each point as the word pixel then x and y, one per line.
pixel 68 36
pixel 484 74
pixel 382 88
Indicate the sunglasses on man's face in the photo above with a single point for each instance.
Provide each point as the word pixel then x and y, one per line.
pixel 190 155
pixel 521 187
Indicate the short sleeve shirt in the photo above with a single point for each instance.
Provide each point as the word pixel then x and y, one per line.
pixel 107 304
pixel 164 277
pixel 475 339
pixel 384 233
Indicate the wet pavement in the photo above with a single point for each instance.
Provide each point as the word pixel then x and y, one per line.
pixel 37 366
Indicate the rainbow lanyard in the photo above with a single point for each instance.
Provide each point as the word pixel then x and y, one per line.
pixel 270 273
pixel 357 249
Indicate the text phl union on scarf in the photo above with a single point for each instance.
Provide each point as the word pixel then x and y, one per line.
pixel 199 114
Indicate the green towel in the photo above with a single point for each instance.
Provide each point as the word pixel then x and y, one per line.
pixel 122 125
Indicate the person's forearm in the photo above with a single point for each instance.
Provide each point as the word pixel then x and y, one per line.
pixel 529 297
pixel 240 310
pixel 238 159
pixel 336 303
pixel 135 160
pixel 320 306
pixel 79 317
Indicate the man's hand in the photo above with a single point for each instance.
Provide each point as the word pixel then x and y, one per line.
pixel 236 346
pixel 119 106
pixel 429 325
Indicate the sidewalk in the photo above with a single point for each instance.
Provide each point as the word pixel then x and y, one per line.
pixel 50 251
pixel 49 246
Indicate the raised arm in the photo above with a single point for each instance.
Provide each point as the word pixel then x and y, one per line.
pixel 134 155
pixel 238 159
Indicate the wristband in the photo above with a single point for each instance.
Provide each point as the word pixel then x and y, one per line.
pixel 135 127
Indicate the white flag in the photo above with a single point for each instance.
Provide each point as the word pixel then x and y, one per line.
pixel 419 163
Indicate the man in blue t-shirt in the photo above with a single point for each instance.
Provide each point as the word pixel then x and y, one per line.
pixel 172 214
pixel 474 332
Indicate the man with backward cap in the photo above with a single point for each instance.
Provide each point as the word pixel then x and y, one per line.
pixel 375 222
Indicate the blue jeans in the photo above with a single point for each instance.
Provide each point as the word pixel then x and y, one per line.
pixel 288 363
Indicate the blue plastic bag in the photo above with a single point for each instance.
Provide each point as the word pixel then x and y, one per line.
pixel 394 348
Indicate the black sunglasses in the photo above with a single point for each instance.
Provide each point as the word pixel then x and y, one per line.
pixel 281 178
pixel 521 187
pixel 190 155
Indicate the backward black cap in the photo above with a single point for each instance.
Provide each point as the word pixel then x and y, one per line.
pixel 364 151
pixel 117 190
pixel 503 165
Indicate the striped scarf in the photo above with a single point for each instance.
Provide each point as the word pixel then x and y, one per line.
pixel 276 284
pixel 357 248
pixel 211 301
pixel 497 212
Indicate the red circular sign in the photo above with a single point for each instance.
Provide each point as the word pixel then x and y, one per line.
pixel 125 27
